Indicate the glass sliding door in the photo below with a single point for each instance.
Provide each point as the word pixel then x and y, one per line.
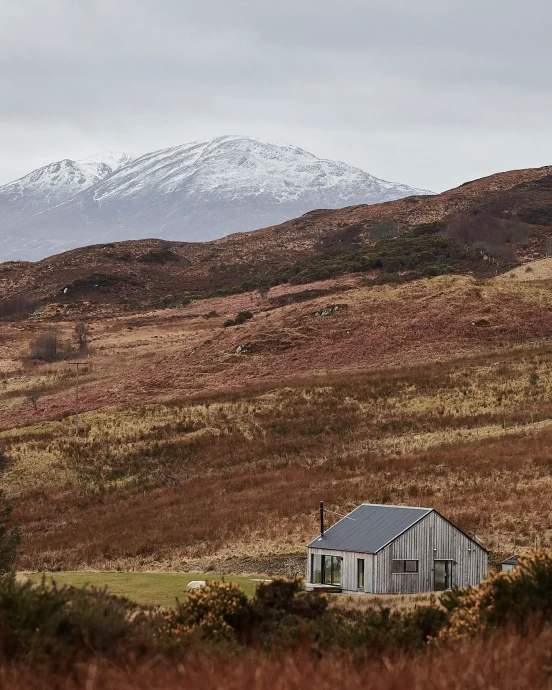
pixel 326 570
pixel 336 570
pixel 316 569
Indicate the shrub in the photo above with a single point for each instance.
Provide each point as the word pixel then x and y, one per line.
pixel 382 630
pixel 514 598
pixel 436 270
pixel 48 346
pixel 384 230
pixel 388 278
pixel 282 597
pixel 82 333
pixel 242 317
pixel 219 610
pixel 159 256
pixel 16 306
pixel 61 625
pixel 428 228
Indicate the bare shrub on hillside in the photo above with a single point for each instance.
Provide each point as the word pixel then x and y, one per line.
pixel 33 397
pixel 496 236
pixel 48 346
pixel 82 335
pixel 384 230
pixel 16 306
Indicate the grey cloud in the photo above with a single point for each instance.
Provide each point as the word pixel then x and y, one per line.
pixel 386 85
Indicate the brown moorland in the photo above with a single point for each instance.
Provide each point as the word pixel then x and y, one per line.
pixel 138 270
pixel 205 445
pixel 194 456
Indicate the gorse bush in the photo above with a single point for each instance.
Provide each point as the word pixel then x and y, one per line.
pixel 283 615
pixel 505 598
pixel 42 622
pixel 45 623
pixel 219 609
pixel 283 597
pixel 161 256
pixel 382 630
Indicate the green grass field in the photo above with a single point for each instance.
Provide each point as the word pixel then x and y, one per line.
pixel 147 589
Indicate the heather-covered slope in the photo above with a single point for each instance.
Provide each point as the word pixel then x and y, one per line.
pixel 434 393
pixel 141 270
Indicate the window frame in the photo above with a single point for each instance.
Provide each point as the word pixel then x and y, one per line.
pixel 404 561
pixel 361 571
pixel 314 558
pixel 329 564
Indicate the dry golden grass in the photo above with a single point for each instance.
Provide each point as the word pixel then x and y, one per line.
pixel 171 486
pixel 165 475
pixel 395 602
pixel 531 271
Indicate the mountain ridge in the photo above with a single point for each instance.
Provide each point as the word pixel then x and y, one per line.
pixel 194 192
pixel 142 269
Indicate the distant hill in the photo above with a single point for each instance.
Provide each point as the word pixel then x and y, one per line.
pixel 194 192
pixel 493 217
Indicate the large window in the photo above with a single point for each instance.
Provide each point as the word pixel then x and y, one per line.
pixel 316 569
pixel 360 573
pixel 404 567
pixel 325 570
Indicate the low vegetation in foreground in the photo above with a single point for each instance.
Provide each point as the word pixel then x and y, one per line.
pixel 53 629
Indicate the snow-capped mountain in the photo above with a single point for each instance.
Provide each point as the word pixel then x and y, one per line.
pixel 195 192
pixel 55 183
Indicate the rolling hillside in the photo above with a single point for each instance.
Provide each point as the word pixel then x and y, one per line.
pixel 143 269
pixel 405 387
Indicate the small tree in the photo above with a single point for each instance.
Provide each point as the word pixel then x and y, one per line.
pixel 10 535
pixel 32 397
pixel 263 290
pixel 82 332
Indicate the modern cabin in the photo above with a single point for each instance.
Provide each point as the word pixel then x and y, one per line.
pixel 384 549
pixel 509 564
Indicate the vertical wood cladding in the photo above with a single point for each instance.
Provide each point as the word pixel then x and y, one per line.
pixel 430 539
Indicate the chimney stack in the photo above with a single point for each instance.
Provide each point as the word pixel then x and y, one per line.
pixel 321 518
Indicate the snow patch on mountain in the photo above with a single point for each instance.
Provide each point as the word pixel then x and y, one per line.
pixel 56 183
pixel 193 192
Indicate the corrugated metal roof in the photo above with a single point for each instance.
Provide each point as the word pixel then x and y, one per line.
pixel 369 528
pixel 512 560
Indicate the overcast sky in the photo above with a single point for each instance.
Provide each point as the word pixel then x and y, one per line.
pixel 426 92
